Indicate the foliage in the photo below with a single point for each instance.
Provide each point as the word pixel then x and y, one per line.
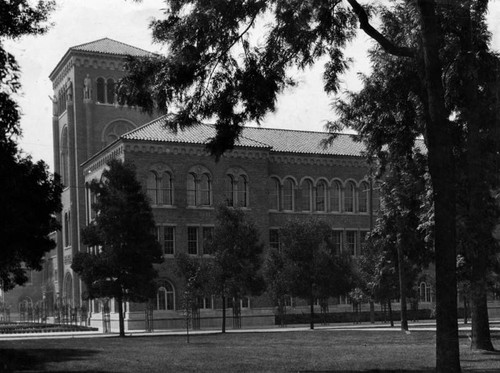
pixel 311 268
pixel 213 71
pixel 236 266
pixel 122 238
pixel 277 284
pixel 30 195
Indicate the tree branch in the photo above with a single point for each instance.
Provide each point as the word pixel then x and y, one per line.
pixel 386 44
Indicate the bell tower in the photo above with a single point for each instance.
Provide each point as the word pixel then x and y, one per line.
pixel 86 117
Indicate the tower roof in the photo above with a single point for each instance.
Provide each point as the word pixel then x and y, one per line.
pixel 110 46
pixel 104 46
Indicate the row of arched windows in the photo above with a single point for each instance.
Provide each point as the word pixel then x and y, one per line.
pixel 321 196
pixel 106 93
pixel 199 187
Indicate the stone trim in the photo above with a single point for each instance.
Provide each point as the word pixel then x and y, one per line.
pixel 103 159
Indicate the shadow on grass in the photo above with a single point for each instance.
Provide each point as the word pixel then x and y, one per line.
pixel 18 360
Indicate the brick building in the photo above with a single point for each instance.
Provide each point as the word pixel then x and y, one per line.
pixel 272 174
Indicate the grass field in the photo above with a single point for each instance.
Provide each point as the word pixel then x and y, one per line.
pixel 323 350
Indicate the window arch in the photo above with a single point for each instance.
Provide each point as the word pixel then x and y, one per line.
pixel 166 189
pixel 165 297
pixel 199 187
pixel 101 94
pixel 114 130
pixel 288 194
pixel 307 192
pixel 425 292
pixel 152 187
pixel 350 191
pixel 335 197
pixel 363 197
pixel 229 190
pixel 110 91
pixel 242 191
pixel 274 194
pixel 321 190
pixel 191 190
pixel 205 190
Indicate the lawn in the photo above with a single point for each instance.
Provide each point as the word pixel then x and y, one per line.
pixel 322 350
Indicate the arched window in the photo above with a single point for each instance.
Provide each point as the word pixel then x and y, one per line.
pixel 65 156
pixel 321 196
pixel 67 229
pixel 288 194
pixel 307 191
pixel 68 289
pixel 166 189
pixel 229 188
pixel 114 130
pixel 274 194
pixel 425 292
pixel 152 187
pixel 363 197
pixel 349 197
pixel 165 297
pixel 110 91
pixel 191 190
pixel 242 191
pixel 205 190
pixel 335 197
pixel 101 91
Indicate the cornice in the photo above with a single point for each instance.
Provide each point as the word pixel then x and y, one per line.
pixel 343 161
pixel 101 160
pixel 190 150
pixel 85 59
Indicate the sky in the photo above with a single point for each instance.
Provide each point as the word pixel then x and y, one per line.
pixel 305 107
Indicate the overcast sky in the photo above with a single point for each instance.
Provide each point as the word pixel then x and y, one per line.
pixel 306 107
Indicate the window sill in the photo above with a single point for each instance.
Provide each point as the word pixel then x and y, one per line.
pixel 170 207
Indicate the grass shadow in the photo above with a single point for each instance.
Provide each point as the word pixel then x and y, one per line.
pixel 18 360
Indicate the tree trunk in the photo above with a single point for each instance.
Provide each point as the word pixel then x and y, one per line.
pixel 372 311
pixel 478 197
pixel 223 314
pixel 389 307
pixel 442 171
pixel 121 319
pixel 466 311
pixel 402 284
pixel 312 312
pixel 481 338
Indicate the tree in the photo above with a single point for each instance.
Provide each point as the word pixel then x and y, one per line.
pixel 237 258
pixel 216 71
pixel 393 102
pixel 197 284
pixel 277 285
pixel 312 268
pixel 121 240
pixel 29 194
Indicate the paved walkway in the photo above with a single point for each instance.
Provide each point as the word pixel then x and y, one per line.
pixel 413 328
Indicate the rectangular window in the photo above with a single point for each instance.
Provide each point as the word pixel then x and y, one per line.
pixel 351 242
pixel 337 241
pixel 245 302
pixel 193 240
pixel 168 240
pixel 205 303
pixel 208 233
pixel 274 239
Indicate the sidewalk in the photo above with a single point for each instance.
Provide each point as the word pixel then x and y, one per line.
pixel 413 327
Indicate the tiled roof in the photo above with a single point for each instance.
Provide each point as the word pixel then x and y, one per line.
pixel 278 140
pixel 110 46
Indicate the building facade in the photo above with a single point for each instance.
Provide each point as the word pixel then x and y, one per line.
pixel 272 174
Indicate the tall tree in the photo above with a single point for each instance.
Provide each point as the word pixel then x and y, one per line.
pixel 237 261
pixel 216 71
pixel 312 268
pixel 122 245
pixel 29 194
